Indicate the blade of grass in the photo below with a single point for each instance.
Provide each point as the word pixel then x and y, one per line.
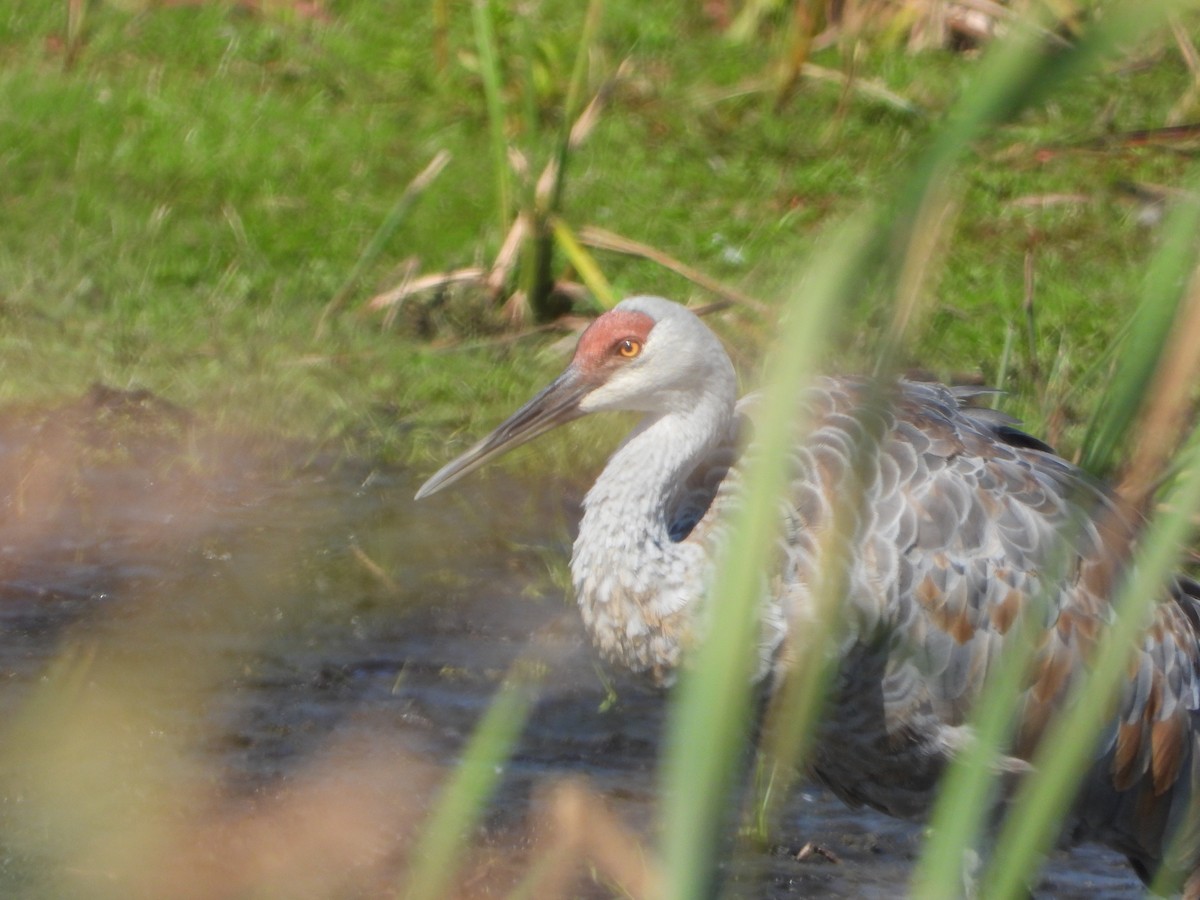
pixel 1162 320
pixel 412 193
pixel 1178 850
pixel 867 87
pixel 710 716
pixel 1163 287
pixel 438 280
pixel 583 831
pixel 529 100
pixel 1167 405
pixel 526 244
pixel 584 264
pixel 435 858
pixel 591 24
pixel 969 788
pixel 802 25
pixel 76 20
pixel 750 18
pixel 441 31
pixel 489 67
pixel 545 202
pixel 1002 368
pixel 797 702
pixel 600 239
pixel 965 793
pixel 1007 81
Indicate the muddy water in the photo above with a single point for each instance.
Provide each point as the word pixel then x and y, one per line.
pixel 228 670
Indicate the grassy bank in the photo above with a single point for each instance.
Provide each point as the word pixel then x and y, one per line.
pixel 186 187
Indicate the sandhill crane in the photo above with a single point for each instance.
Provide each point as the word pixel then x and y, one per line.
pixel 962 526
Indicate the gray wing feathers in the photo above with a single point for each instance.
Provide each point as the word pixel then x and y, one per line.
pixel 990 526
pixel 962 526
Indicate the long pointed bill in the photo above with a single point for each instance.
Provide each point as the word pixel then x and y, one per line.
pixel 556 405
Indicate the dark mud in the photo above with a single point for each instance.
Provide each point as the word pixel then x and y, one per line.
pixel 273 658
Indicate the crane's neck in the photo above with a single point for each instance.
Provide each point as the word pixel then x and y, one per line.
pixel 637 587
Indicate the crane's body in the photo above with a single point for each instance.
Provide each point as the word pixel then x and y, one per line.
pixel 956 533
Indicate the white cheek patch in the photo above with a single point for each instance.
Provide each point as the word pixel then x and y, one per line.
pixel 619 392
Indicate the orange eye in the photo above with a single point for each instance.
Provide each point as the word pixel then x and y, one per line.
pixel 629 348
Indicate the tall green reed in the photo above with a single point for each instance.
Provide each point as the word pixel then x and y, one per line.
pixel 435 856
pixel 489 68
pixel 535 221
pixel 1148 334
pixel 710 717
pixel 383 234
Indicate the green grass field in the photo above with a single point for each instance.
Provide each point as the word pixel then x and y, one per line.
pixel 186 187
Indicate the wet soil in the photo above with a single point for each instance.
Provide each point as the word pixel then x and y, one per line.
pixel 234 667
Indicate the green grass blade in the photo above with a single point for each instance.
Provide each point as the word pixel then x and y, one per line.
pixel 441 31
pixel 1015 75
pixel 968 790
pixel 1166 280
pixel 710 717
pixel 796 703
pixel 493 80
pixel 383 234
pixel 529 100
pixel 436 856
pixel 584 264
pixel 574 101
pixel 701 755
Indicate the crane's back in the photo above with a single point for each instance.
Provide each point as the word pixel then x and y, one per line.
pixel 955 534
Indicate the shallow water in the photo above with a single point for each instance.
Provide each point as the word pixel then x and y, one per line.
pixel 273 660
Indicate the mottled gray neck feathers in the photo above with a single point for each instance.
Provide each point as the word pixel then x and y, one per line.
pixel 636 587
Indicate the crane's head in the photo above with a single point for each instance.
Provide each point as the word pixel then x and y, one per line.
pixel 646 354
